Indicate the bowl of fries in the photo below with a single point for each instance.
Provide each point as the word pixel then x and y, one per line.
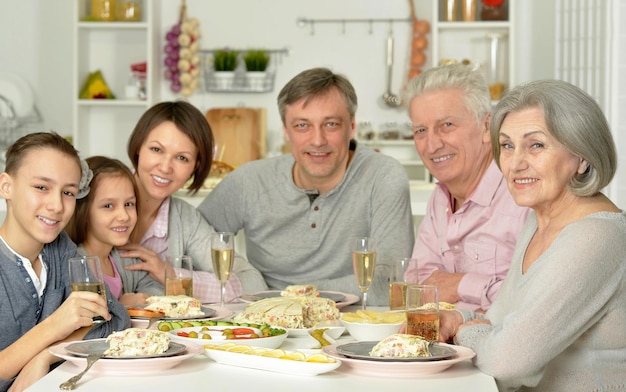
pixel 369 325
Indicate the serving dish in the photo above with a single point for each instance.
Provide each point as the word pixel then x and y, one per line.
pixel 398 369
pixel 341 299
pixel 126 366
pixel 371 331
pixel 271 364
pixel 208 313
pixel 218 338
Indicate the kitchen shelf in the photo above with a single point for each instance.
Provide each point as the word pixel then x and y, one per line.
pixel 112 102
pixel 102 126
pixel 112 25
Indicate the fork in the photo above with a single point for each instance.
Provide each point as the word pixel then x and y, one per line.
pixel 71 383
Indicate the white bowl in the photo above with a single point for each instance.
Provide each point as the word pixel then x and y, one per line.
pixel 371 332
pixel 217 338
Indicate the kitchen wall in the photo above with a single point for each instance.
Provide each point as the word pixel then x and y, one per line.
pixel 36 42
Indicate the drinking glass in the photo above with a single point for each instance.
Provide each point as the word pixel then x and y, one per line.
pixel 222 254
pixel 397 283
pixel 364 264
pixel 179 278
pixel 422 311
pixel 86 275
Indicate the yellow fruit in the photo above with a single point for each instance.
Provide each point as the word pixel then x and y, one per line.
pixel 241 349
pixel 320 358
pixel 295 356
pixel 277 353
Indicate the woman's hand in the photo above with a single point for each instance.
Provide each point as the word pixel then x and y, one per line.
pixel 449 322
pixel 150 261
pixel 132 299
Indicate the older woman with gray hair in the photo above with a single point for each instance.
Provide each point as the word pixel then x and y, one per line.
pixel 559 322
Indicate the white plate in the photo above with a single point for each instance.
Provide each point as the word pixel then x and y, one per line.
pixel 218 338
pixel 341 299
pixel 271 364
pixel 97 346
pixel 126 367
pixel 220 314
pixel 398 369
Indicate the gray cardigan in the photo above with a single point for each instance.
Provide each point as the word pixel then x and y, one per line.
pixel 20 308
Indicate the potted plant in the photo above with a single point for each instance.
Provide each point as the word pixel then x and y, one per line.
pixel 256 64
pixel 225 62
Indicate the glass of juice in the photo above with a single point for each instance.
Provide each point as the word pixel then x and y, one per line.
pixel 422 311
pixel 178 276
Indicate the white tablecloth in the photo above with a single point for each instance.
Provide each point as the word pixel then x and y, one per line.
pixel 201 373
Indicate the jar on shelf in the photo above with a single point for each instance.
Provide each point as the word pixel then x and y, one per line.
pixel 128 11
pixel 103 10
pixel 496 75
pixel 450 10
pixel 493 10
pixel 468 10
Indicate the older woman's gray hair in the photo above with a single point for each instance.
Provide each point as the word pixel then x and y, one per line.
pixel 455 76
pixel 574 119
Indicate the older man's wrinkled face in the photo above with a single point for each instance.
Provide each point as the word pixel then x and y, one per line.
pixel 447 137
pixel 319 132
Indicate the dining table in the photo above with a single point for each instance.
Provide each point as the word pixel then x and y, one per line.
pixel 201 373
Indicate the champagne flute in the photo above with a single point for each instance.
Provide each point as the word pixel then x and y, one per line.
pixel 86 275
pixel 364 264
pixel 222 254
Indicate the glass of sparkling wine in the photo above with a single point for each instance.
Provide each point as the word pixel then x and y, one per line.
pixel 86 275
pixel 222 254
pixel 364 264
pixel 422 311
pixel 179 276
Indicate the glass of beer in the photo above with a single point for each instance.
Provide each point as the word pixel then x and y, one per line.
pixel 86 275
pixel 422 311
pixel 364 264
pixel 222 255
pixel 397 283
pixel 179 276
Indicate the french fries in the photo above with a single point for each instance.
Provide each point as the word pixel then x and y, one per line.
pixel 372 317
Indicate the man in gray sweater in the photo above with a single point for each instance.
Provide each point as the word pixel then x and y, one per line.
pixel 301 212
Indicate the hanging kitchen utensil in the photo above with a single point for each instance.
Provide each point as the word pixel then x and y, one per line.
pixel 389 98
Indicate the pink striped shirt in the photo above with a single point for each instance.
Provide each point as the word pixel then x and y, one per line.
pixel 478 239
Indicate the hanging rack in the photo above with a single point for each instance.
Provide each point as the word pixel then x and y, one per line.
pixel 303 22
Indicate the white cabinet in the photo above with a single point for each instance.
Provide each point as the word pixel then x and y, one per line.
pixel 474 41
pixel 102 126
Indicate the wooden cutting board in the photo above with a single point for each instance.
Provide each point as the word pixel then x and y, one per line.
pixel 240 134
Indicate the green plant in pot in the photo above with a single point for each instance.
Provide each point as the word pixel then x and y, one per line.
pixel 256 64
pixel 256 60
pixel 224 64
pixel 225 60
